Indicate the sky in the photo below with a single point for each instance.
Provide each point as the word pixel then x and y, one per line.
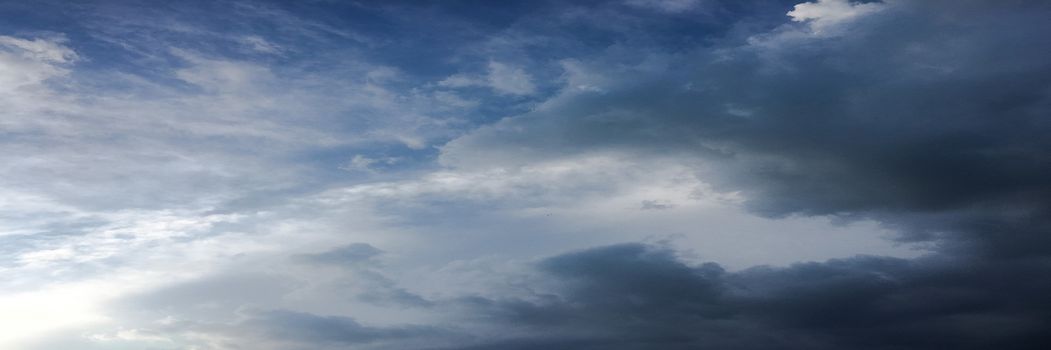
pixel 519 175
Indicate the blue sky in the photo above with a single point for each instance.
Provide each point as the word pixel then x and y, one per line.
pixel 637 174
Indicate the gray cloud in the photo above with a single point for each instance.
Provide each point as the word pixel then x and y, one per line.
pixel 929 117
pixel 365 274
pixel 634 296
pixel 917 115
pixel 289 326
pixel 350 254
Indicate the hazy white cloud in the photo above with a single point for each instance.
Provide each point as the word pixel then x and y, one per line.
pixel 260 44
pixel 41 49
pixel 26 66
pixel 118 174
pixel 460 80
pixel 502 78
pixel 510 80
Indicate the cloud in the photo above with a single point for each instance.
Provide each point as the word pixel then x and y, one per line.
pixel 634 296
pixel 289 326
pixel 362 163
pixel 510 80
pixel 260 44
pixel 26 66
pixel 596 199
pixel 350 254
pixel 867 111
pixel 890 122
pixel 41 49
pixel 460 80
pixel 502 78
pixel 826 13
pixel 176 183
pixel 669 6
pixel 651 204
pixel 135 145
pixel 266 329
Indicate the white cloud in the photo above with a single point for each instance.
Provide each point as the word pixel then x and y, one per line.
pixel 818 21
pixel 109 173
pixel 41 49
pixel 589 200
pixel 502 78
pixel 510 80
pixel 223 76
pixel 365 163
pixel 259 44
pixel 461 80
pixel 825 14
pixel 25 66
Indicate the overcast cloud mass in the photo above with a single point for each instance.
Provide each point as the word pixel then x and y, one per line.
pixel 439 175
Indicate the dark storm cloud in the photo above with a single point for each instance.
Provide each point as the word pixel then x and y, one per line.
pixel 929 116
pixel 634 296
pixel 921 115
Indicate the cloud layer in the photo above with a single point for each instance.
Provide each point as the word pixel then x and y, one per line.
pixel 463 175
